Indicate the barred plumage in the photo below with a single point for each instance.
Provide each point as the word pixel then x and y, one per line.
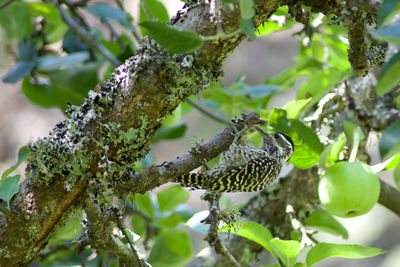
pixel 244 168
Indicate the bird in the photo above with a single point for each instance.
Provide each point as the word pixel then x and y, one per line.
pixel 244 168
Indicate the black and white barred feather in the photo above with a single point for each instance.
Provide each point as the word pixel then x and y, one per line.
pixel 244 168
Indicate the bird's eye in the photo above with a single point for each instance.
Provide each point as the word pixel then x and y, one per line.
pixel 277 136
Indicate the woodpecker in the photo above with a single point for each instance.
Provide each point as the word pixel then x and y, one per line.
pixel 244 168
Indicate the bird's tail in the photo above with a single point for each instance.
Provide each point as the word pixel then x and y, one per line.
pixel 193 180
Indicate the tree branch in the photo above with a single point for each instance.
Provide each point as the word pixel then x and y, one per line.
pixel 100 234
pixel 91 149
pixel 390 197
pixel 206 112
pixel 213 220
pixel 86 36
pixel 155 175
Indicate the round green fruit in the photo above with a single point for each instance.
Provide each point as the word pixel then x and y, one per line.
pixel 349 189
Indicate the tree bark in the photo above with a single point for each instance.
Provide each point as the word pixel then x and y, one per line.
pixel 91 149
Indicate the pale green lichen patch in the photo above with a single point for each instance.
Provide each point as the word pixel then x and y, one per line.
pixel 100 140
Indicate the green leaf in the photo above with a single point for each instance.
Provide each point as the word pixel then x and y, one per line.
pixel 19 71
pixel 23 153
pixel 326 222
pixel 303 157
pixel 144 203
pixel 72 43
pixel 170 221
pixel 55 28
pixel 195 222
pixel 39 94
pixel 170 133
pixel 393 162
pixel 337 47
pixel 218 94
pixel 356 135
pixel 173 118
pixel 247 14
pixel 326 250
pixel 132 236
pixel 52 63
pixel 268 28
pixel 320 83
pixel 185 212
pixel 252 231
pixel 387 10
pixel 307 144
pixel 178 241
pixel 271 26
pixel 246 9
pixel 8 188
pixel 71 229
pixel 157 10
pixel 389 76
pixel 308 136
pixel 390 33
pixel 278 121
pixel 389 144
pixel 73 85
pixel 172 39
pixel 247 27
pixel 161 255
pixel 288 78
pixel 106 12
pixel 287 250
pixel 16 20
pixel 294 108
pixel 26 62
pixel 138 224
pixel 331 153
pixel 259 90
pixel 171 197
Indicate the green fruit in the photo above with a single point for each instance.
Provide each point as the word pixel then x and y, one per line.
pixel 349 189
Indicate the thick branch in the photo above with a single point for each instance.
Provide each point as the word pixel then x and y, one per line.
pixel 390 197
pixel 91 149
pixel 159 174
pixel 100 235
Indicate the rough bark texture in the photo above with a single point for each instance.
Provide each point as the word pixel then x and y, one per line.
pixel 91 152
pixel 91 149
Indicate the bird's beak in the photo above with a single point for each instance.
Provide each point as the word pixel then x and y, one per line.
pixel 263 134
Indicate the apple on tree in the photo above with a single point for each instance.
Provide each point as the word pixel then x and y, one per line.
pixel 349 189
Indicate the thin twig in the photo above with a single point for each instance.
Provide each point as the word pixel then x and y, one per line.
pixel 6 212
pixel 121 227
pixel 133 30
pixel 64 246
pixel 116 34
pixel 6 3
pixel 213 219
pixel 100 227
pixel 207 112
pixel 86 37
pixel 389 197
pixel 73 7
pixel 167 171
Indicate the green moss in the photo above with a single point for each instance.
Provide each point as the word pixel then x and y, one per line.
pixel 87 140
pixel 33 230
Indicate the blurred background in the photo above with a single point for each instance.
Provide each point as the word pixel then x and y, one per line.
pixel 23 122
